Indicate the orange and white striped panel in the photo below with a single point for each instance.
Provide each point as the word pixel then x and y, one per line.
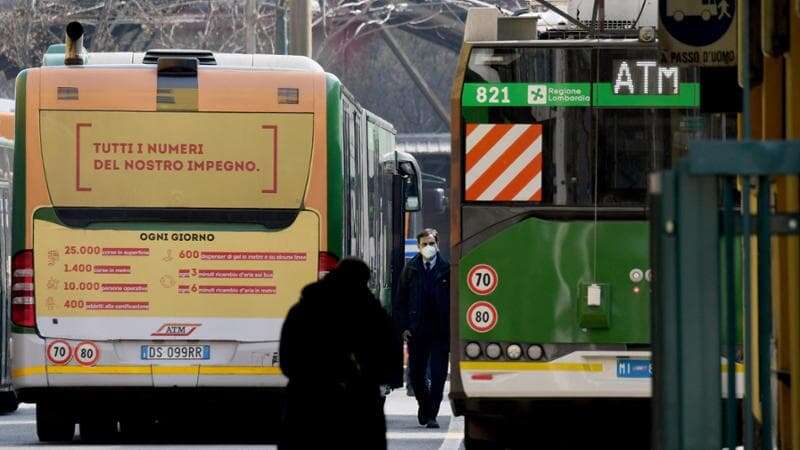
pixel 504 162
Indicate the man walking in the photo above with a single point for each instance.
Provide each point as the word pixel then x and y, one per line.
pixel 423 314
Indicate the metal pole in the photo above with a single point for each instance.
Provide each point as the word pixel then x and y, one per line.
pixel 765 311
pixel 323 6
pixel 250 30
pixel 415 76
pixel 300 28
pixel 747 131
pixel 280 27
pixel 731 406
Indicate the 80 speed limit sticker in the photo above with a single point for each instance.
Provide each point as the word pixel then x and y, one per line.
pixel 86 353
pixel 59 352
pixel 482 316
pixel 482 279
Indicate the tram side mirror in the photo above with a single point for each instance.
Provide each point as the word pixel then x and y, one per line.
pixel 412 184
pixel 440 200
pixel 411 194
pixel 412 204
pixel 410 176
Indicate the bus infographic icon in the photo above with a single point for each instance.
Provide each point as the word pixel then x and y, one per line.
pixel 482 316
pixel 59 352
pixel 482 279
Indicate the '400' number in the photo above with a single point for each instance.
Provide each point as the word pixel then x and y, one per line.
pixel 492 94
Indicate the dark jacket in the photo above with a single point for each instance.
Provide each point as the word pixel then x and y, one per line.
pixel 409 311
pixel 337 346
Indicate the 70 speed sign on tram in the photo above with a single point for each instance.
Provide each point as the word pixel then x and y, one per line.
pixel 482 279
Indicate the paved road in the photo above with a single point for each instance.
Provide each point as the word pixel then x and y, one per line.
pixel 19 430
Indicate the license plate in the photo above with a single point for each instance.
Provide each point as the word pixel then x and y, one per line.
pixel 634 368
pixel 176 352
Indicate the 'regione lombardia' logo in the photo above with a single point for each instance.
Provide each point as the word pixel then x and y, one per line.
pixel 176 329
pixel 537 94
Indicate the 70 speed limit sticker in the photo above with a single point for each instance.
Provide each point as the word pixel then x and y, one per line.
pixel 482 316
pixel 482 279
pixel 59 352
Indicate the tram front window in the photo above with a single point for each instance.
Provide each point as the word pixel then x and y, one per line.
pixel 598 142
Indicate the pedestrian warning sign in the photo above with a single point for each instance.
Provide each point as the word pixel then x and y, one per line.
pixel 698 32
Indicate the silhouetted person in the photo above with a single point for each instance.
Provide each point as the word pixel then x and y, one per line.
pixel 337 347
pixel 422 312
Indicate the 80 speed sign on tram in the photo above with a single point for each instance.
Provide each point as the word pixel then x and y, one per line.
pixel 482 316
pixel 482 279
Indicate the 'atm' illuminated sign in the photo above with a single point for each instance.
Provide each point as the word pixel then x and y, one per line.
pixel 645 78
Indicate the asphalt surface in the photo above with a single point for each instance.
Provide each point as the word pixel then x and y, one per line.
pixel 18 429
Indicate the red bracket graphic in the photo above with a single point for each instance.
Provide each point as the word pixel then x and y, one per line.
pixel 274 188
pixel 78 186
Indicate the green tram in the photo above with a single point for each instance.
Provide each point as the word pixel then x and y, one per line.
pixel 553 141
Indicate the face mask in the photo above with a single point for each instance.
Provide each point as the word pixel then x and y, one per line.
pixel 429 251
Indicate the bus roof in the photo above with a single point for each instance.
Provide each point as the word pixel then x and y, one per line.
pixel 55 57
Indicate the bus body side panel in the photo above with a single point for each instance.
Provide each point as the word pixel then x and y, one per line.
pixel 335 214
pixel 30 191
pixel 28 360
pixel 18 217
pixel 456 388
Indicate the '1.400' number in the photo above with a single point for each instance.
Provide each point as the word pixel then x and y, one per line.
pixel 492 94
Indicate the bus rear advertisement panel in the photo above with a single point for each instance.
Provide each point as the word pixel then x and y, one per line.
pixel 176 159
pixel 170 281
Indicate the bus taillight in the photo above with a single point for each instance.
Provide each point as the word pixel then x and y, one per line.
pixel 326 263
pixel 22 300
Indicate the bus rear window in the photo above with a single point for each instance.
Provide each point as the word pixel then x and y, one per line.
pixel 188 160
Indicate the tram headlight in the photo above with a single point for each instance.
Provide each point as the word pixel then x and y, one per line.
pixel 473 350
pixel 493 351
pixel 535 352
pixel 636 275
pixel 647 34
pixel 514 351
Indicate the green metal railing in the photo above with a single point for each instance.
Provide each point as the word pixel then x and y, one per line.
pixel 697 236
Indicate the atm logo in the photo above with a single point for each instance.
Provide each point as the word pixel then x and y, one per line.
pixel 176 329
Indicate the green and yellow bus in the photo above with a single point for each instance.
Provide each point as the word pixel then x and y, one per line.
pixel 553 141
pixel 168 207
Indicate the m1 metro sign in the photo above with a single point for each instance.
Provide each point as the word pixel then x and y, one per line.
pixel 697 32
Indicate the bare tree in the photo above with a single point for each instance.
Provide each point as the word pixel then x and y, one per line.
pixel 341 27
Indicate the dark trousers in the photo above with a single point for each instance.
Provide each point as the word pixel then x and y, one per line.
pixel 425 353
